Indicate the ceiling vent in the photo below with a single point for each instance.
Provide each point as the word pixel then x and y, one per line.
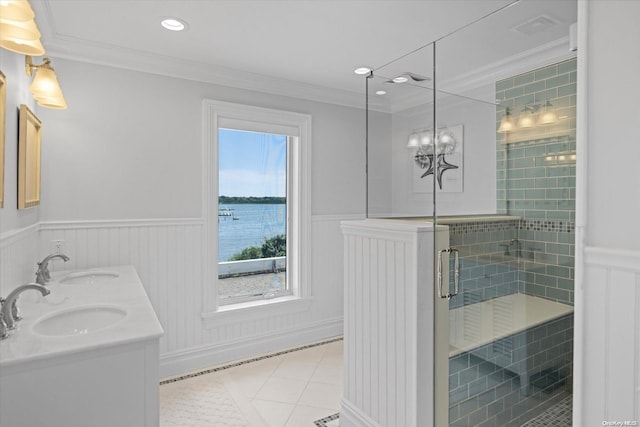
pixel 536 25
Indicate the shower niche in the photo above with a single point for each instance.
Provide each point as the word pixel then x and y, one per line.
pixel 471 150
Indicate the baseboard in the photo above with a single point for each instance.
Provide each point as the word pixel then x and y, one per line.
pixel 350 416
pixel 211 355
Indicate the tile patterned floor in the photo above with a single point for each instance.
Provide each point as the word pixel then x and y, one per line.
pixel 558 415
pixel 293 388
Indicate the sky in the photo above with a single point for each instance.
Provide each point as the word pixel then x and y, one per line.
pixel 251 164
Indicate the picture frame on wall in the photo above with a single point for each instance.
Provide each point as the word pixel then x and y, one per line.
pixel 3 121
pixel 29 139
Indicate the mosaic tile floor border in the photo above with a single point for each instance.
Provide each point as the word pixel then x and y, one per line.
pixel 244 362
pixel 323 422
pixel 559 414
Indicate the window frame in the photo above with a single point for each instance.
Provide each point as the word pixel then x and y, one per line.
pixel 290 141
pixel 297 127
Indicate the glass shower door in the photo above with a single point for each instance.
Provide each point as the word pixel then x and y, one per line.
pixel 510 221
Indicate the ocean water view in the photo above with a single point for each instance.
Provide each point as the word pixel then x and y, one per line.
pixel 243 225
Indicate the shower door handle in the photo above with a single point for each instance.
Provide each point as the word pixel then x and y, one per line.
pixel 456 274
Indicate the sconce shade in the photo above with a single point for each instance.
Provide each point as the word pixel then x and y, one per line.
pixel 16 10
pixel 18 30
pixel 45 87
pixel 506 124
pixel 526 119
pixel 55 103
pixel 45 83
pixel 414 141
pixel 547 115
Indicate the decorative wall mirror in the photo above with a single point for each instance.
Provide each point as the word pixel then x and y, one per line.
pixel 3 109
pixel 28 159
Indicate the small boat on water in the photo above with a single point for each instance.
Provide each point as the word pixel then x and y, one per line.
pixel 226 213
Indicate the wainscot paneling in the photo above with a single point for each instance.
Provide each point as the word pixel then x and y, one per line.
pixel 18 257
pixel 167 255
pixel 611 340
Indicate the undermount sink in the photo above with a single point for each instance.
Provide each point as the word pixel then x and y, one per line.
pixel 88 277
pixel 79 321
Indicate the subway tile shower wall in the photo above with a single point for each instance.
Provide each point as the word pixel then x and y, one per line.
pixel 536 173
pixel 502 257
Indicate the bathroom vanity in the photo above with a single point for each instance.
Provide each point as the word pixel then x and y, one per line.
pixel 85 355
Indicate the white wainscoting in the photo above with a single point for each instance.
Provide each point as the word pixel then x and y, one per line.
pixel 167 255
pixel 389 326
pixel 611 336
pixel 18 257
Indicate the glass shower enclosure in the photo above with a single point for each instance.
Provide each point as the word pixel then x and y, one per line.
pixel 482 141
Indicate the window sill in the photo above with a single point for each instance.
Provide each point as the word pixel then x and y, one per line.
pixel 234 313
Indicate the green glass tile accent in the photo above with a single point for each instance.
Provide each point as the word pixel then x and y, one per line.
pixel 504 84
pixel 567 66
pixel 546 94
pixel 566 284
pixel 515 92
pixel 558 194
pixel 558 294
pixel 524 78
pixel 566 205
pixel 515 152
pixel 560 80
pixel 523 163
pixel 533 214
pixel 559 215
pixel 546 182
pixel 522 183
pixel 565 90
pixel 535 194
pixel 536 150
pixel 546 204
pixel 574 77
pixel 555 171
pixel 546 72
pixel 515 174
pixel 535 87
pixel 524 204
pixel 534 173
pixel 521 101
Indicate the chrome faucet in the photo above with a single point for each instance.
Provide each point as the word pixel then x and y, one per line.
pixel 42 275
pixel 9 311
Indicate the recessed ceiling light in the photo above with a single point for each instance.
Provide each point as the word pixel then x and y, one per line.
pixel 173 24
pixel 381 92
pixel 400 79
pixel 362 70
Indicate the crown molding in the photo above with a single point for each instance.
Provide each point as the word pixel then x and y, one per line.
pixel 82 50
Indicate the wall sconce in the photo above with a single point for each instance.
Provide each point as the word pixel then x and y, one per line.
pixel 45 87
pixel 506 124
pixel 527 119
pixel 18 30
pixel 547 114
pixel 423 141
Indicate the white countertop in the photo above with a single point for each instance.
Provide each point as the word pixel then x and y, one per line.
pixel 125 292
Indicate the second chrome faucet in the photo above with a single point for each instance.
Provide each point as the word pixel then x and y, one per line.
pixel 42 275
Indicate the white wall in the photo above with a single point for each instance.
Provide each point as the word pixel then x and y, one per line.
pixel 479 170
pixel 607 342
pixel 121 184
pixel 12 66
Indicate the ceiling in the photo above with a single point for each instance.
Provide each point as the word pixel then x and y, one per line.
pixel 306 48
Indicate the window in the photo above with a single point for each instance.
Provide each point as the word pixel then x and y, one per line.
pixel 256 172
pixel 252 215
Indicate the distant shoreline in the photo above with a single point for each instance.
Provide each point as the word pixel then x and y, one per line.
pixel 251 200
